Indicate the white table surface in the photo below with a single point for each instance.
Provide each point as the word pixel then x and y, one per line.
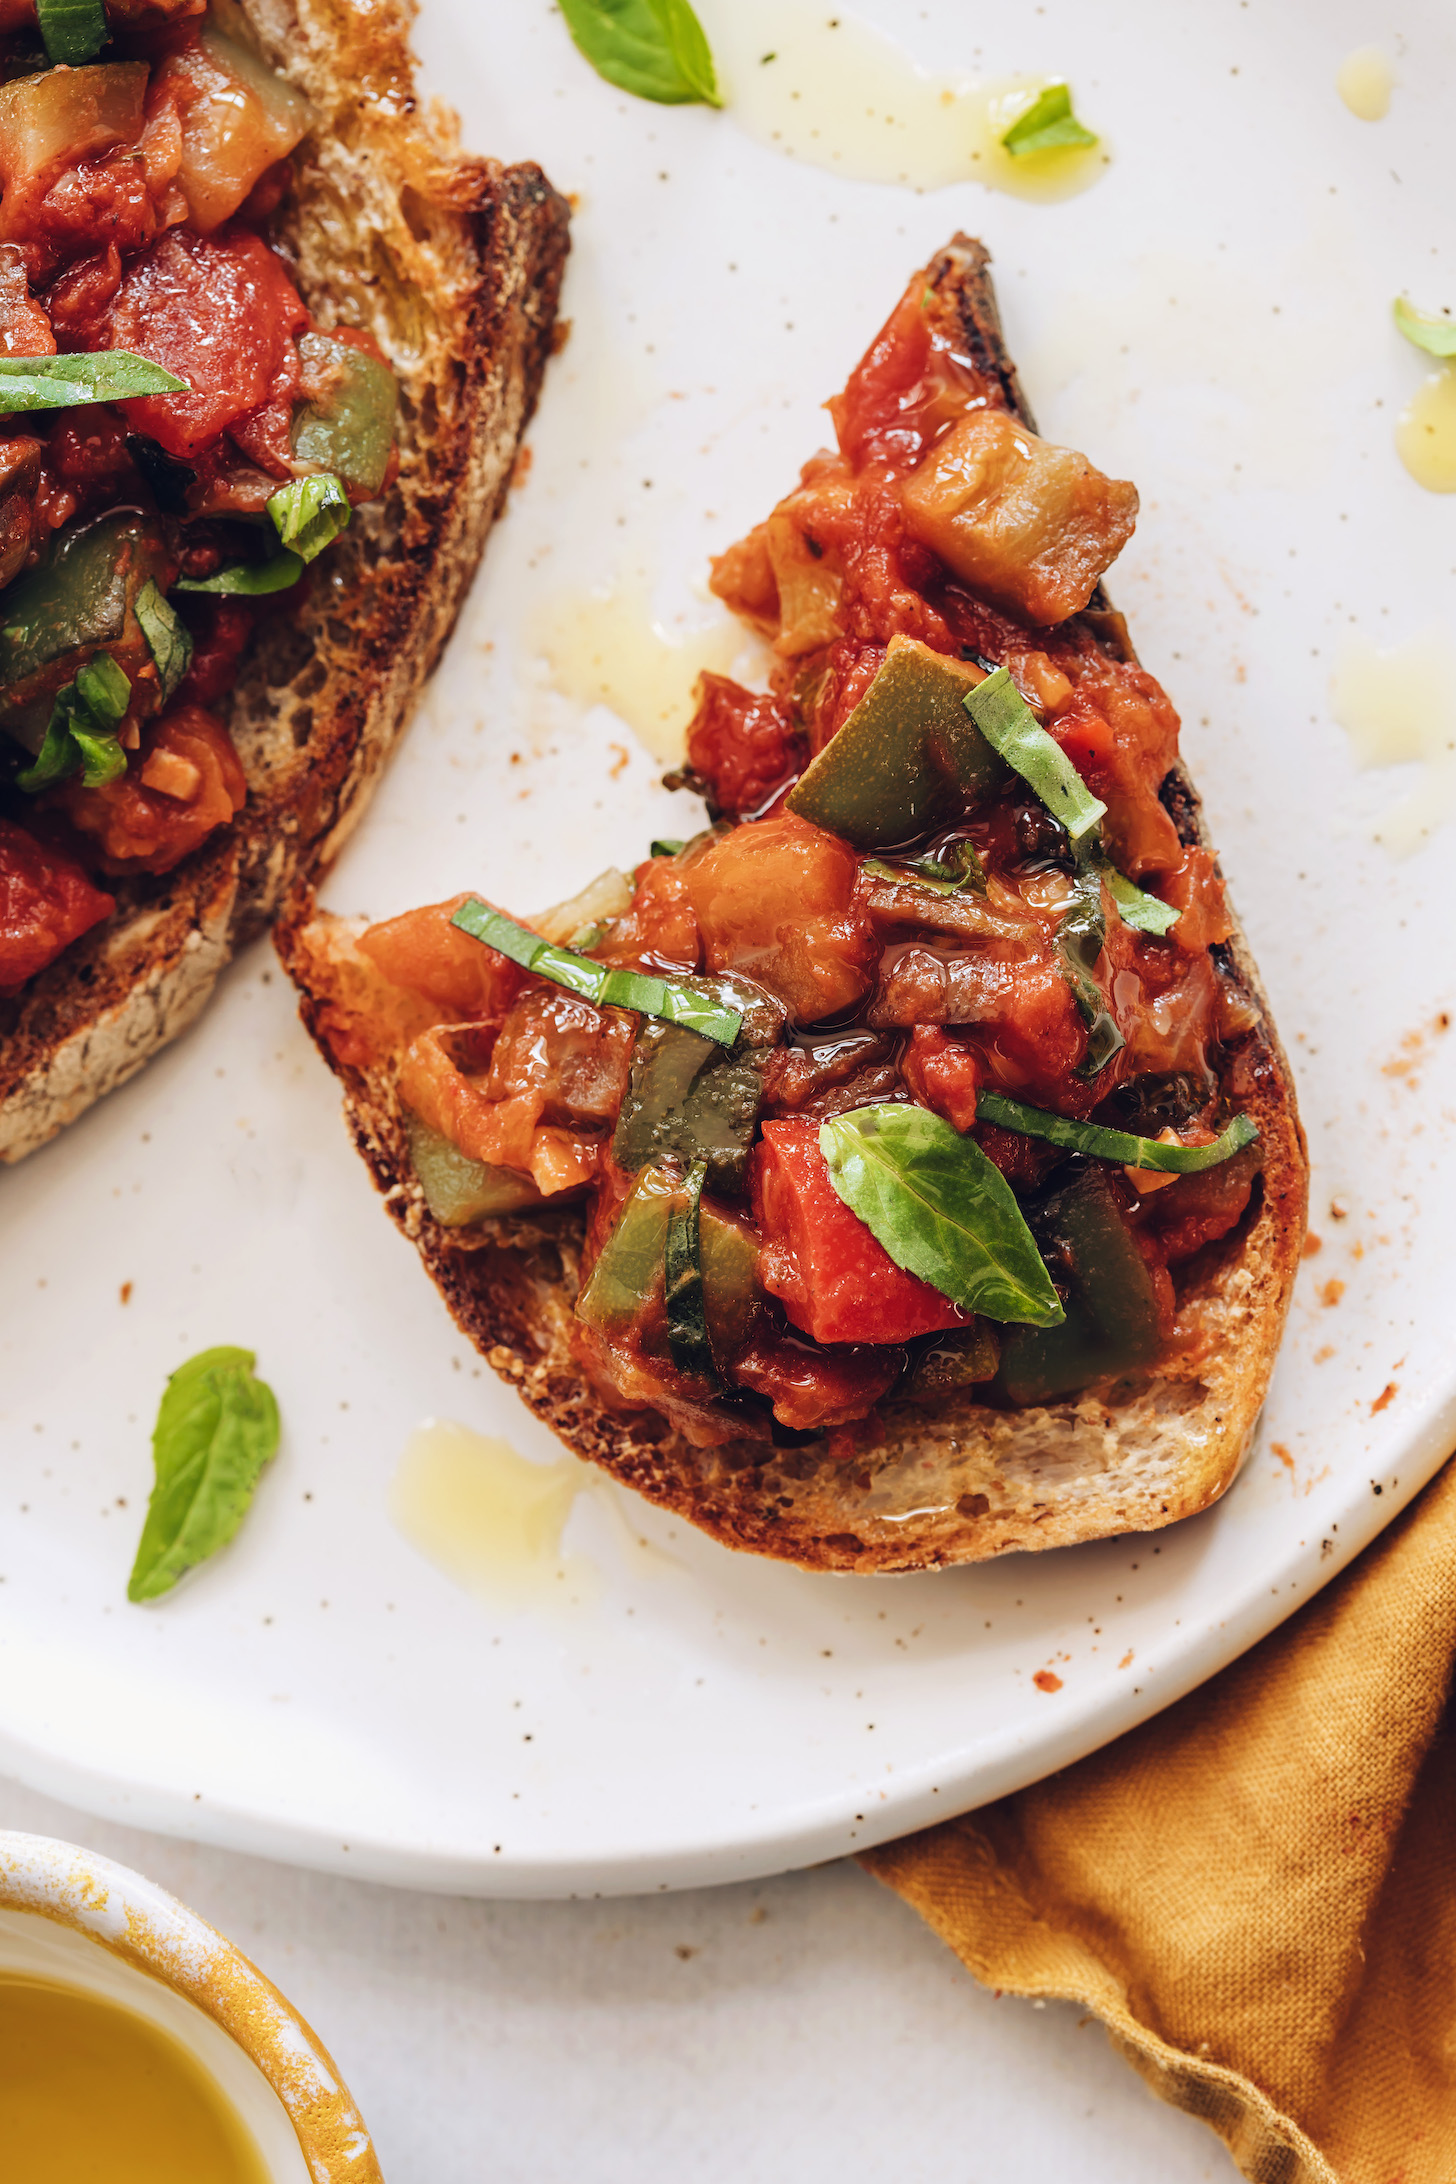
pixel 796 2029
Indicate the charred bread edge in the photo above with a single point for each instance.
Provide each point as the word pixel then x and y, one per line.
pixel 1123 1459
pixel 455 263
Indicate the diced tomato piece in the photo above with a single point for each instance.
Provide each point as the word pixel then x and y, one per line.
pixel 743 744
pixel 184 782
pixel 832 1277
pixel 423 952
pixel 776 899
pixel 220 311
pixel 942 1074
pixel 220 630
pixel 1196 886
pixel 1198 1209
pixel 659 931
pixel 46 902
pixel 810 1389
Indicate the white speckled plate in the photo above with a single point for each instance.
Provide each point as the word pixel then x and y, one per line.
pixel 1211 319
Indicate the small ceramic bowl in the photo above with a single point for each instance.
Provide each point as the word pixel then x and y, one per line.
pixel 69 1916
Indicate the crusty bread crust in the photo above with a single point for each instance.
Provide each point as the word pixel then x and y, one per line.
pixel 454 264
pixel 958 1483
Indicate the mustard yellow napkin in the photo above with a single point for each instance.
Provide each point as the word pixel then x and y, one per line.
pixel 1256 1891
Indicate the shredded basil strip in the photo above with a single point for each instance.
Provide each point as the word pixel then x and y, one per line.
pixel 1013 732
pixel 309 513
pixel 1118 1145
pixel 687 1312
pixel 1049 125
pixel 81 732
pixel 63 382
pixel 248 579
pixel 1080 936
pixel 1145 913
pixel 216 1428
pixel 666 846
pixel 941 1209
pixel 1437 336
pixel 72 30
pixel 168 637
pixel 596 982
pixel 960 869
pixel 653 48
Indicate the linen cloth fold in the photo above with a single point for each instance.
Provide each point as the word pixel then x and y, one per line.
pixel 1256 1890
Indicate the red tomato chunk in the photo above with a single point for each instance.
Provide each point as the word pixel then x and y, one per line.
pixel 220 312
pixel 777 900
pixel 831 1276
pixel 46 902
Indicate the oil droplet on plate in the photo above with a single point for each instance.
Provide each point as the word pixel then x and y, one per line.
pixel 1365 82
pixel 1398 708
pixel 608 648
pixel 843 95
pixel 1425 437
pixel 486 1516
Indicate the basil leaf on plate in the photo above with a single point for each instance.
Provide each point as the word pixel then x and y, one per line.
pixel 653 48
pixel 1048 125
pixel 1435 334
pixel 309 513
pixel 216 1428
pixel 1119 1145
pixel 941 1210
pixel 676 1001
pixel 168 637
pixel 1014 733
pixel 72 31
pixel 62 382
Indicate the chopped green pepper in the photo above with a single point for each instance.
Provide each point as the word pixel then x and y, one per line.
pixel 961 1358
pixel 460 1191
pixel 632 1268
pixel 688 1100
pixel 81 596
pixel 906 747
pixel 348 426
pixel 1112 1324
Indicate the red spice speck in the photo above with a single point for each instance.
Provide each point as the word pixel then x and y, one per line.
pixel 1391 1389
pixel 1046 1679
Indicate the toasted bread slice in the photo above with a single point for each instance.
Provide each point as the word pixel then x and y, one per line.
pixel 956 1483
pixel 454 264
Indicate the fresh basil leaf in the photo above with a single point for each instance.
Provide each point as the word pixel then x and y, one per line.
pixel 62 382
pixel 104 689
pixel 167 635
pixel 666 846
pixel 687 1314
pixel 1118 1145
pixel 72 30
pixel 1049 125
pixel 1080 936
pixel 653 48
pixel 309 514
pixel 676 1002
pixel 1144 913
pixel 102 757
pixel 1435 334
pixel 1013 731
pixel 248 579
pixel 941 1209
pixel 216 1429
pixel 80 734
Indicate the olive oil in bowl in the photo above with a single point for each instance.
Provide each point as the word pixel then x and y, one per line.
pixel 92 2090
